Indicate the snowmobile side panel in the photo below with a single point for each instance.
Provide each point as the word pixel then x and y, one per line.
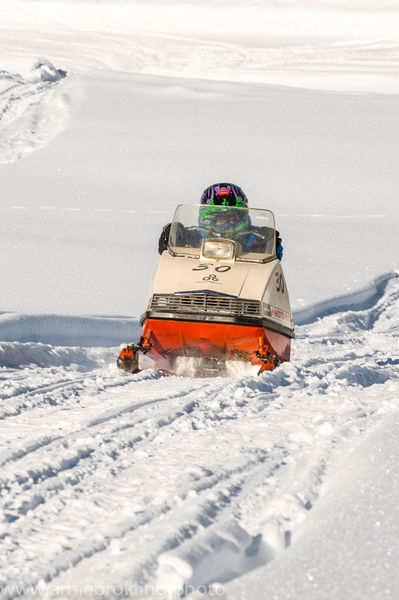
pixel 172 338
pixel 265 322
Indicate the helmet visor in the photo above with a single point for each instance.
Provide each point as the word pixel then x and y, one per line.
pixel 223 220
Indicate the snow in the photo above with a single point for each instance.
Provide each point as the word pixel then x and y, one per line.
pixel 31 110
pixel 361 493
pixel 329 181
pixel 153 486
pixel 172 483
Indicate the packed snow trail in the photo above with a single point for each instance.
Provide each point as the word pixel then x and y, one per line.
pixel 153 480
pixel 33 109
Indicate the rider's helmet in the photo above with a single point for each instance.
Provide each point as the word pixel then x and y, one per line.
pixel 224 194
pixel 224 209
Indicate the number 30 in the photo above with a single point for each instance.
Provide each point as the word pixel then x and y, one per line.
pixel 280 283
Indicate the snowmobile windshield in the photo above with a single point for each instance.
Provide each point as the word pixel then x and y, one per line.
pixel 251 230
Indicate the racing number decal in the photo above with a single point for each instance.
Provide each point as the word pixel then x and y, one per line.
pixel 219 269
pixel 212 276
pixel 222 268
pixel 280 286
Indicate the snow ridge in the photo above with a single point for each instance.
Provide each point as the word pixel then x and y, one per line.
pixel 33 109
pixel 360 300
pixel 67 330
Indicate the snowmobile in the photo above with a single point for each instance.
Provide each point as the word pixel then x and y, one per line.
pixel 217 299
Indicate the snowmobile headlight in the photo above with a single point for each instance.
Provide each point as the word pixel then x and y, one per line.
pixel 218 249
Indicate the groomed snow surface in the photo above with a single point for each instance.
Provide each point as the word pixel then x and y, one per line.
pixel 153 485
pixel 282 486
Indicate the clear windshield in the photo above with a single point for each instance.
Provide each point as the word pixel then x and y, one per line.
pixel 251 229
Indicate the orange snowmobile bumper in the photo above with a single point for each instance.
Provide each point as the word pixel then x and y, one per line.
pixel 174 338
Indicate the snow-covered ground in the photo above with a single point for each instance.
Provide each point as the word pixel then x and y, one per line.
pixel 280 486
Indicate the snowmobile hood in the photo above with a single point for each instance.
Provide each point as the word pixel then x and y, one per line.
pixel 181 275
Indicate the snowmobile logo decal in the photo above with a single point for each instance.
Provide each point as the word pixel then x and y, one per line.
pixel 210 278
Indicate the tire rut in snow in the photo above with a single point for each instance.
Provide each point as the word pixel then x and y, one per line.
pixel 39 499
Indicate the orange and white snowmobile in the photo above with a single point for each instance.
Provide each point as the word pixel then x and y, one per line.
pixel 218 299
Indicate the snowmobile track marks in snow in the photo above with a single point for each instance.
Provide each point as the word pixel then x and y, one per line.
pixel 167 461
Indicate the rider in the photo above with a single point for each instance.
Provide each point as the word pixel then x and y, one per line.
pixel 228 222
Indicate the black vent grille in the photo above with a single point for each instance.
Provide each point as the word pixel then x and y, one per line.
pixel 205 303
